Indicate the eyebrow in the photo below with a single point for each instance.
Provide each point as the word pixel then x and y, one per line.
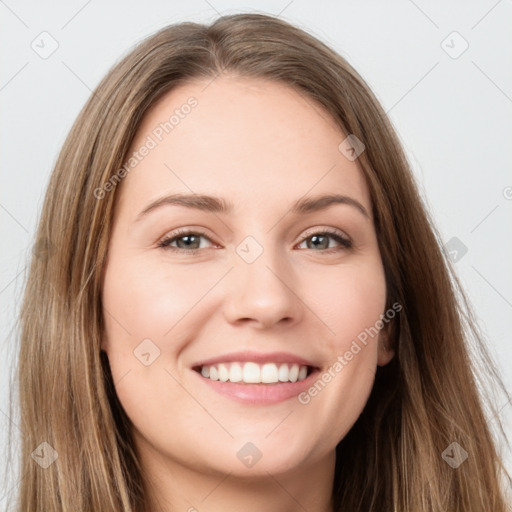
pixel 219 205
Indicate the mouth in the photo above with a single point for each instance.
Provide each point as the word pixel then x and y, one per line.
pixel 257 379
pixel 250 372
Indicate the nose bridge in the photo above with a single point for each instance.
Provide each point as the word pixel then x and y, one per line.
pixel 261 287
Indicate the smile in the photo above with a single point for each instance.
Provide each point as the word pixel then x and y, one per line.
pixel 253 378
pixel 253 373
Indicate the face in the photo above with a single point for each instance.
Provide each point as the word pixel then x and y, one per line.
pixel 235 326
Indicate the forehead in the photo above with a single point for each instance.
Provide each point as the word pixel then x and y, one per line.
pixel 255 141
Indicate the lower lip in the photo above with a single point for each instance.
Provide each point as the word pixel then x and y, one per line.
pixel 260 394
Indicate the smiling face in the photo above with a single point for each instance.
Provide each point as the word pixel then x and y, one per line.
pixel 258 272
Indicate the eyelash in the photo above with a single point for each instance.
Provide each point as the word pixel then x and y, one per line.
pixel 164 243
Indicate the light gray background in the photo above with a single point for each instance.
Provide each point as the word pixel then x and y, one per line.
pixel 453 115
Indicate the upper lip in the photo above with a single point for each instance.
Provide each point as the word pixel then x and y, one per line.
pixel 257 357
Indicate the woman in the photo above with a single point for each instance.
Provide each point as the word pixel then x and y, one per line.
pixel 246 305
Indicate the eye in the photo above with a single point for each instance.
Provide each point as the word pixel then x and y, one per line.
pixel 187 241
pixel 320 240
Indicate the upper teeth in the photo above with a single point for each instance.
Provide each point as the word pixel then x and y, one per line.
pixel 253 373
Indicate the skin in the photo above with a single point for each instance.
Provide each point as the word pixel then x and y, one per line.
pixel 262 146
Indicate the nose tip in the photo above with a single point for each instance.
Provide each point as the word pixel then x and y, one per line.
pixel 262 295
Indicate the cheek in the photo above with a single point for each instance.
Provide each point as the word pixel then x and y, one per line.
pixel 142 305
pixel 151 312
pixel 348 301
pixel 148 300
pixel 352 306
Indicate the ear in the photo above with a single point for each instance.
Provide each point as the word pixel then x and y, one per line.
pixel 386 352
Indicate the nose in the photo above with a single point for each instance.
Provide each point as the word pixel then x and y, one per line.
pixel 262 293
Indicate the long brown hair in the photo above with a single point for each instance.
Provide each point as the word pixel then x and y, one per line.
pixel 423 401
